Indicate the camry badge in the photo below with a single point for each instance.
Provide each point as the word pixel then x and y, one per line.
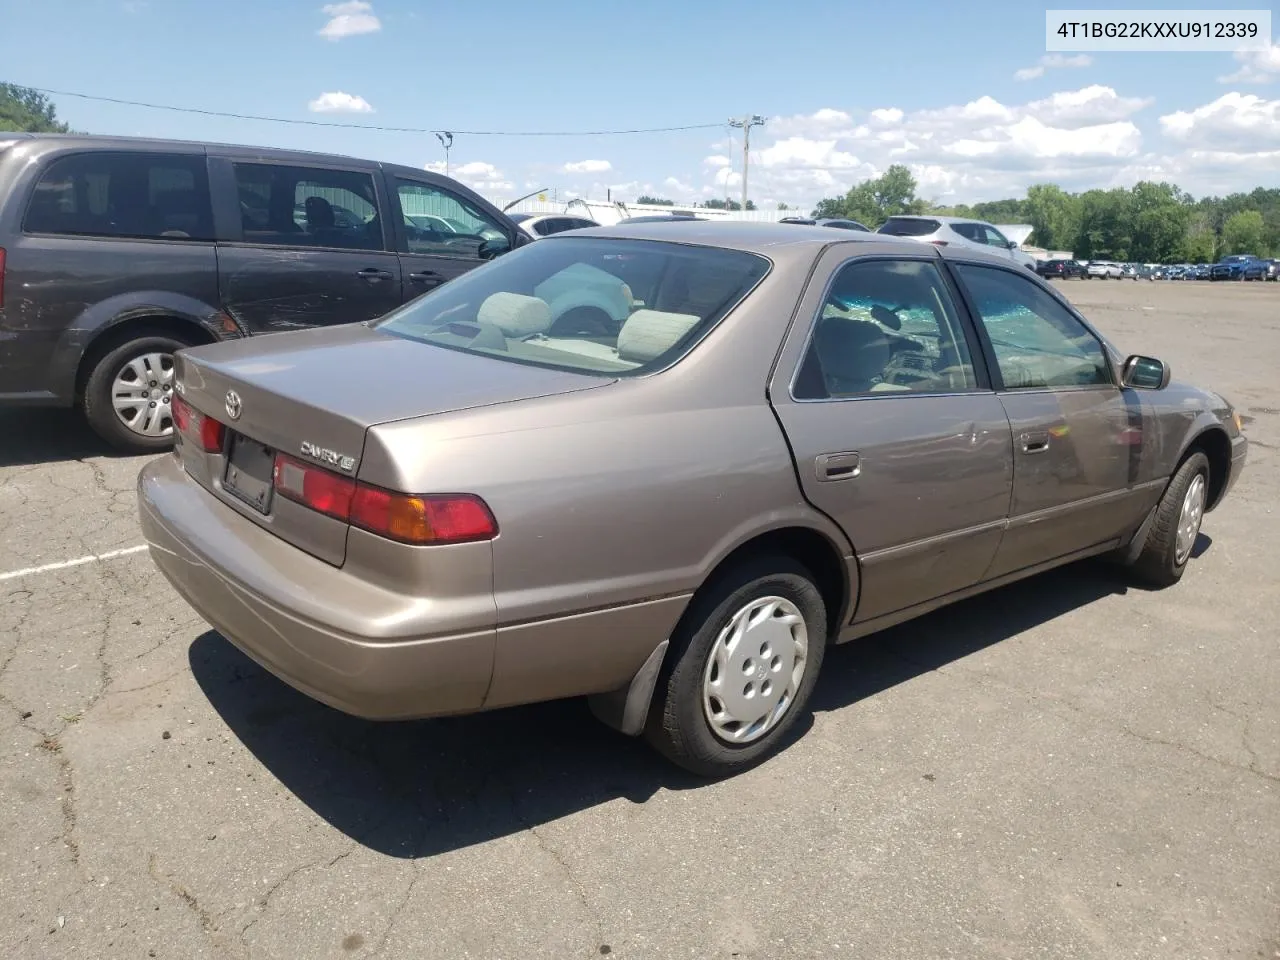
pixel 233 405
pixel 331 457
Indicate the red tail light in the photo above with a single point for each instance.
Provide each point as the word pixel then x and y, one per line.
pixel 408 518
pixel 321 490
pixel 205 432
pixel 1 277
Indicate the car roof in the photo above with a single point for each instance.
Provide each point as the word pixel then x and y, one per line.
pixel 939 218
pixel 773 240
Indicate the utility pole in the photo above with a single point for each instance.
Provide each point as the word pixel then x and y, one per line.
pixel 745 125
pixel 446 141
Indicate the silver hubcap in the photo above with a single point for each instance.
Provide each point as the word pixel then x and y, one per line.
pixel 1189 519
pixel 141 393
pixel 755 669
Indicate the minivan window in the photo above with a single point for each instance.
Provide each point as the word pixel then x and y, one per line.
pixel 590 305
pixel 466 228
pixel 908 227
pixel 308 207
pixel 123 194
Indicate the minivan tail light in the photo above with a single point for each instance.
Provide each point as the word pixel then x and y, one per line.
pixel 322 490
pixel 431 519
pixel 204 431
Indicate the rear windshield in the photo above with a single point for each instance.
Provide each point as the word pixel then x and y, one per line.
pixel 908 227
pixel 598 305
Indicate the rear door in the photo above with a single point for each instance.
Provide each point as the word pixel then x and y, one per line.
pixel 91 226
pixel 1076 435
pixel 896 433
pixel 430 257
pixel 302 245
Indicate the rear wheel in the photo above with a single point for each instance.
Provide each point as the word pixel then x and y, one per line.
pixel 1172 537
pixel 743 664
pixel 128 393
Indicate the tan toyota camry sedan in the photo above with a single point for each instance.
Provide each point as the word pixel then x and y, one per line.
pixel 663 466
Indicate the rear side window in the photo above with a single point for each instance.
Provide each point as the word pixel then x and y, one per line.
pixel 308 207
pixel 909 227
pixel 136 195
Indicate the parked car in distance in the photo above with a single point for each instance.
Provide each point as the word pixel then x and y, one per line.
pixel 835 222
pixel 661 218
pixel 941 231
pixel 423 515
pixel 117 252
pixel 1103 270
pixel 1061 269
pixel 538 225
pixel 1197 271
pixel 1242 266
pixel 1273 270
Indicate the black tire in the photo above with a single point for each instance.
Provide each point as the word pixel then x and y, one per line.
pixel 1157 565
pixel 677 725
pixel 98 409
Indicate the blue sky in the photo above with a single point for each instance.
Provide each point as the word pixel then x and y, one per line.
pixel 962 93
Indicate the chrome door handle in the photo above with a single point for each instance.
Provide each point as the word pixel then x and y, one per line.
pixel 837 466
pixel 1035 442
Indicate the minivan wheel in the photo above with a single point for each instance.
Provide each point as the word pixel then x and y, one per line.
pixel 128 393
pixel 742 666
pixel 1172 537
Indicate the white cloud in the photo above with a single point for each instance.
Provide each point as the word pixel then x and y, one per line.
pixel 482 177
pixel 716 161
pixel 1086 106
pixel 889 115
pixel 588 166
pixel 1053 61
pixel 676 185
pixel 1237 122
pixel 339 102
pixel 1258 66
pixel 348 19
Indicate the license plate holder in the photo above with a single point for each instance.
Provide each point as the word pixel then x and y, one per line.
pixel 248 476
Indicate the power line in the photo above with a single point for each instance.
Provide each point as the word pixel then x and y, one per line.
pixel 381 129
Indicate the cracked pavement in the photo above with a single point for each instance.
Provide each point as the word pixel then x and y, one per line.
pixel 1066 768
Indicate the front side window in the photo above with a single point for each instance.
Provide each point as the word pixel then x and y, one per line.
pixel 886 327
pixel 103 194
pixel 995 238
pixel 308 207
pixel 1036 340
pixel 606 306
pixel 441 224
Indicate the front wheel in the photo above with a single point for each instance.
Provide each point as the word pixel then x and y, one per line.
pixel 744 661
pixel 1172 537
pixel 128 394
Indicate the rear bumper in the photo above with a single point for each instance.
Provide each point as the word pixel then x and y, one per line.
pixel 368 650
pixel 353 645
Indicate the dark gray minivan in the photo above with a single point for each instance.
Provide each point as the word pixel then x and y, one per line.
pixel 116 252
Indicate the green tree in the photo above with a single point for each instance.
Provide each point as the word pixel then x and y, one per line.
pixel 782 206
pixel 1242 233
pixel 1158 215
pixel 717 204
pixel 656 201
pixel 1054 215
pixel 872 202
pixel 1200 245
pixel 28 111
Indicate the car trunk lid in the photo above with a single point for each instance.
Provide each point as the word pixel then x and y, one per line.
pixel 313 394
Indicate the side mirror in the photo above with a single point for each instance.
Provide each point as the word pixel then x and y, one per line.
pixel 1013 245
pixel 493 248
pixel 1145 373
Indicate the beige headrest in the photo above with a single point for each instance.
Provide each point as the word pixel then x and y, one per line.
pixel 515 315
pixel 649 334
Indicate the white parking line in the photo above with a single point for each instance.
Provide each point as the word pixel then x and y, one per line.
pixel 78 561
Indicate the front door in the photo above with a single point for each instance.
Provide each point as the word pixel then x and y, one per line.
pixel 311 249
pixel 896 433
pixel 441 235
pixel 1076 435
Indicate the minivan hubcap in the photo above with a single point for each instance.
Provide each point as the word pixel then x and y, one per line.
pixel 1190 517
pixel 141 394
pixel 755 669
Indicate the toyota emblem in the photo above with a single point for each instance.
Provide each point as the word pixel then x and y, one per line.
pixel 233 405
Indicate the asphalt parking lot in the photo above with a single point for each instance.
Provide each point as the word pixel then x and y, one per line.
pixel 1066 768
